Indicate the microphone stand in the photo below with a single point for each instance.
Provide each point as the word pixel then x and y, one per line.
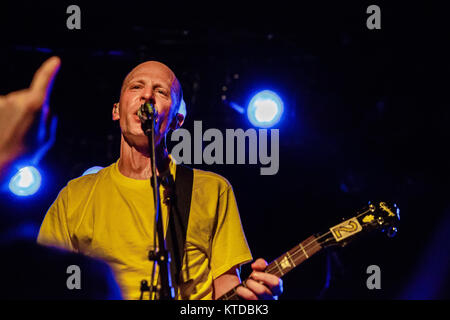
pixel 161 256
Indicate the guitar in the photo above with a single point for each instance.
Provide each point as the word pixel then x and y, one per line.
pixel 376 216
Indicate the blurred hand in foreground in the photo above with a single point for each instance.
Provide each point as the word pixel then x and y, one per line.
pixel 19 108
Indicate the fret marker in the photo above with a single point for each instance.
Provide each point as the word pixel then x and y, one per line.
pixel 285 263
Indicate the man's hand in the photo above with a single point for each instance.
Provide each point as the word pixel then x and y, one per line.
pixel 18 110
pixel 261 285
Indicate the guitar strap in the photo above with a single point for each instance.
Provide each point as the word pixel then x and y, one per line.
pixel 179 206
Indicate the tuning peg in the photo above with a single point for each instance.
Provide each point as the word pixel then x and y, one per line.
pixel 380 220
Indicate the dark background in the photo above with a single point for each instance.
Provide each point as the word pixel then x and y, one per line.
pixel 366 117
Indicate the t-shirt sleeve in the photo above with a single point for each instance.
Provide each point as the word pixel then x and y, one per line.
pixel 54 230
pixel 229 245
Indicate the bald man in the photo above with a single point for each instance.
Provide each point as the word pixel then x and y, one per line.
pixel 106 215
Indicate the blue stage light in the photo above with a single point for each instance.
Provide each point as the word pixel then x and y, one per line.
pixel 91 170
pixel 265 109
pixel 25 182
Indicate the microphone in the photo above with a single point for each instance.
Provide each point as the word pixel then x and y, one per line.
pixel 147 112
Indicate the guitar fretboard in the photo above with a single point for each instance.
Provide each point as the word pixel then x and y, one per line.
pixel 285 263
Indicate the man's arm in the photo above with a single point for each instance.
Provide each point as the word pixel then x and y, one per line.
pixel 226 282
pixel 260 285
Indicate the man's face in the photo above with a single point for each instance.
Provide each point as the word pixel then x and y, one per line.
pixel 150 81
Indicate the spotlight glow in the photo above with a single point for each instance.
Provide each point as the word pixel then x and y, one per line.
pixel 25 182
pixel 265 109
pixel 91 170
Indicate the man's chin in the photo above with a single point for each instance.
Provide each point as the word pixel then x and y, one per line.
pixel 138 141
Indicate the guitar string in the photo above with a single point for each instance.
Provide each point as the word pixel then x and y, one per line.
pixel 233 291
pixel 294 255
pixel 297 251
pixel 275 267
pixel 314 241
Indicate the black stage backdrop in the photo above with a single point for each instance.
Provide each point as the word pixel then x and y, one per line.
pixel 366 117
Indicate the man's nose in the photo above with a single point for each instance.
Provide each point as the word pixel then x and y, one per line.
pixel 147 95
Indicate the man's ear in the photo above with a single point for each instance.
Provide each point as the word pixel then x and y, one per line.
pixel 177 121
pixel 115 112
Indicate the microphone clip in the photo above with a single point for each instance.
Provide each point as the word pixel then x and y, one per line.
pixel 148 115
pixel 147 112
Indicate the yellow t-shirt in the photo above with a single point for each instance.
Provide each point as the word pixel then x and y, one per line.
pixel 109 216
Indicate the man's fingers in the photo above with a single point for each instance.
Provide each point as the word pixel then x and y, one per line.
pixel 245 293
pixel 264 285
pixel 261 286
pixel 259 289
pixel 259 265
pixel 43 77
pixel 268 279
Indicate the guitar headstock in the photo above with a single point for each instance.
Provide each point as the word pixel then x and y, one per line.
pixel 377 216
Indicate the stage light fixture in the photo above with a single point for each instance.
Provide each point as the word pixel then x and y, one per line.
pixel 26 181
pixel 265 109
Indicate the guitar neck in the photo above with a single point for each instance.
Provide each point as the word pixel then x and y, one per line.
pixel 285 263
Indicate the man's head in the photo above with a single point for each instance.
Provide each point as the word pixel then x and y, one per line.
pixel 149 81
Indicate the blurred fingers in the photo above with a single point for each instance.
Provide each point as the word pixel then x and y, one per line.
pixel 42 80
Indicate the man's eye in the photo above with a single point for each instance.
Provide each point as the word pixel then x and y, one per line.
pixel 136 86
